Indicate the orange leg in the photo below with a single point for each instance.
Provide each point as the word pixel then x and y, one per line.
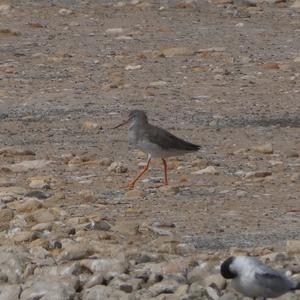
pixel 166 171
pixel 132 183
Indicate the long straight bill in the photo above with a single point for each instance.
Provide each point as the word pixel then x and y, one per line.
pixel 123 123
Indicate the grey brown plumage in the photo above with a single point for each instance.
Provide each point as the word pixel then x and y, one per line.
pixel 156 141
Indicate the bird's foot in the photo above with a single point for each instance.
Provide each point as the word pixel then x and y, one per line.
pixel 129 186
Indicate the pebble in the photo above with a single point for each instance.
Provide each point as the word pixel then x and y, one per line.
pixel 133 67
pixel 296 4
pixel 293 246
pixel 27 165
pixel 6 215
pixel 134 194
pixel 74 252
pixel 165 286
pixel 55 287
pixel 114 30
pixel 101 292
pixel 28 205
pixel 65 12
pixel 265 148
pixel 117 167
pixel 169 190
pixel 111 267
pixel 215 280
pixel 10 291
pixel 176 51
pixel 208 170
pixel 157 84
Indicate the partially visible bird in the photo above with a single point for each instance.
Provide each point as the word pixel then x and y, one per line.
pixel 253 279
pixel 155 141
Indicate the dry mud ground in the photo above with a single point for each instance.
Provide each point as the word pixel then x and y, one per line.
pixel 224 74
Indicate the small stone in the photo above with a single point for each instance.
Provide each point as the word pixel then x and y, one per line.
pixel 133 67
pixel 101 292
pixel 295 177
pixel 208 170
pixel 176 51
pixel 157 84
pixel 215 280
pixel 105 161
pixel 10 291
pixel 265 148
pixel 42 227
pixel 169 190
pixel 114 30
pixel 165 286
pixel 197 291
pixel 94 280
pixel 185 249
pixel 87 195
pixel 239 25
pixel 134 194
pixel 212 49
pixel 74 252
pixel 258 174
pixel 29 205
pixel 65 12
pixel 90 125
pixel 112 267
pixel 296 4
pixel 6 215
pixel 43 216
pixel 40 182
pixel 293 246
pixel 22 236
pixel 212 293
pixel 4 9
pixel 29 165
pixel 117 167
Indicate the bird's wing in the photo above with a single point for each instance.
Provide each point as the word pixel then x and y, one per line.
pixel 167 140
pixel 273 280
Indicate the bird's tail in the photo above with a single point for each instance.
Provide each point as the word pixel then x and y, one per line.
pixel 296 287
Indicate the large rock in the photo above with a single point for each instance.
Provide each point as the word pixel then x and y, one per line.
pixel 50 288
pixel 10 292
pixel 13 262
pixel 101 292
pixel 106 267
pixel 27 165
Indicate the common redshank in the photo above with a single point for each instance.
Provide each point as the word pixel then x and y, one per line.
pixel 155 141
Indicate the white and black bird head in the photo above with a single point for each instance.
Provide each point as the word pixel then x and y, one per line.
pixel 254 279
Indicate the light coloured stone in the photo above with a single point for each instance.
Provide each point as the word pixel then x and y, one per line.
pixel 10 291
pixel 27 165
pixel 101 292
pixel 293 246
pixel 50 287
pixel 6 215
pixel 208 170
pixel 117 167
pixel 65 12
pixel 265 148
pixel 165 286
pixel 133 194
pixel 114 30
pixel 104 267
pixel 74 252
pixel 28 205
pixel 296 4
pixel 176 51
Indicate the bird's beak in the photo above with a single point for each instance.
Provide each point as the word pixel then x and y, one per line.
pixel 123 123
